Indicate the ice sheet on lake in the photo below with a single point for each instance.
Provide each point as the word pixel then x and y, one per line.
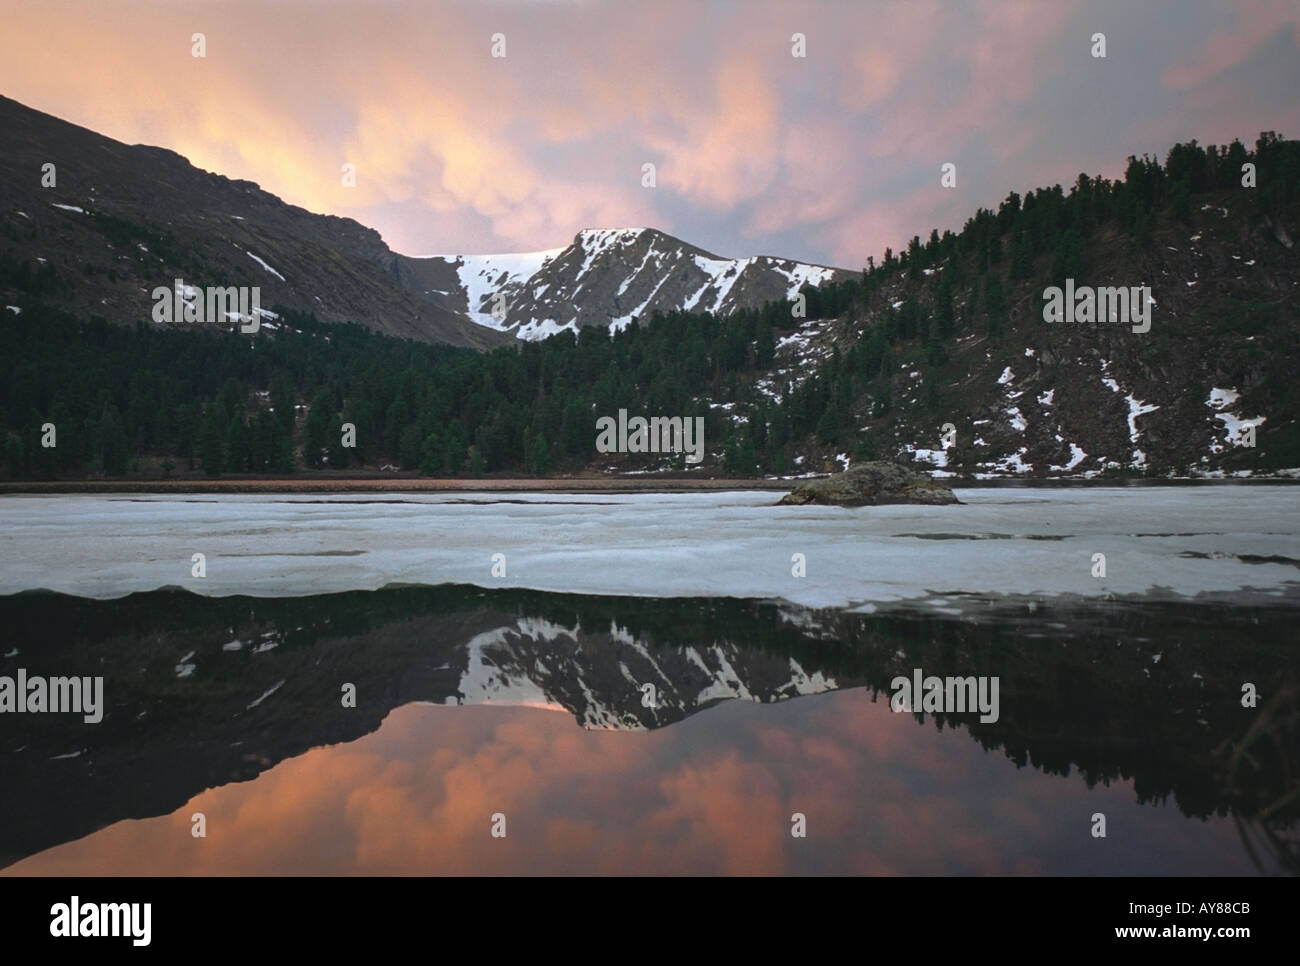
pixel 1030 541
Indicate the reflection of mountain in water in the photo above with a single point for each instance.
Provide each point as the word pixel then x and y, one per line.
pixel 202 691
pixel 602 677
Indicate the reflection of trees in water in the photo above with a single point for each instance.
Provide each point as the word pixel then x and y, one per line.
pixel 1148 693
pixel 1105 691
pixel 1272 832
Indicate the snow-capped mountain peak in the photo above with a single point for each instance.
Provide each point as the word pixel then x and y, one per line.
pixel 607 277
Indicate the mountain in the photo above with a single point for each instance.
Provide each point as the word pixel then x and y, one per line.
pixel 946 356
pixel 121 220
pixel 941 354
pixel 605 277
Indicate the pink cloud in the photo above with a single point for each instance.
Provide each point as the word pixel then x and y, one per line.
pixel 1256 20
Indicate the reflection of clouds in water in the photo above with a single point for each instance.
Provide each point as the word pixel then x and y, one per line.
pixel 712 794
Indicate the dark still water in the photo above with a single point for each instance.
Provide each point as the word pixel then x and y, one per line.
pixel 528 714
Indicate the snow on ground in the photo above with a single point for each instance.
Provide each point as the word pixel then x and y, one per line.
pixel 799 274
pixel 663 545
pixel 265 266
pixel 1233 424
pixel 622 322
pixel 80 211
pixel 1014 463
pixel 692 303
pixel 1136 408
pixel 650 252
pixel 721 275
pixel 1221 398
pixel 266 694
pixel 1077 456
pixel 596 240
pixel 1046 398
pixel 1236 426
pixel 935 457
pixel 544 329
pixel 482 276
pixel 798 338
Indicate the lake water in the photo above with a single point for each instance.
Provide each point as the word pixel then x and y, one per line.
pixel 643 683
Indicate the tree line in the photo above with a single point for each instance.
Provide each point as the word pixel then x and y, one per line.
pixel 147 400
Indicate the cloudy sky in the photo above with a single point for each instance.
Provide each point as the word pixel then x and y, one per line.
pixel 829 157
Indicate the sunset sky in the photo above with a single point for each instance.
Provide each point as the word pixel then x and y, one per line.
pixel 827 158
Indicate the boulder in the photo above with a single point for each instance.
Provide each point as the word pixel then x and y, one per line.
pixel 872 484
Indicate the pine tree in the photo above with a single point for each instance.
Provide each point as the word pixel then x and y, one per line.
pixel 113 454
pixel 539 457
pixel 409 446
pixel 995 304
pixel 211 457
pixel 1021 256
pixel 431 455
pixel 944 321
pixel 315 434
pixel 1068 260
pixel 828 426
pixel 237 445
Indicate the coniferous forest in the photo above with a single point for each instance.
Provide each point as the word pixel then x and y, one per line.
pixel 148 401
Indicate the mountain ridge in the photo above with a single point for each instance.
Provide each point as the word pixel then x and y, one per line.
pixel 120 220
pixel 939 355
pixel 621 273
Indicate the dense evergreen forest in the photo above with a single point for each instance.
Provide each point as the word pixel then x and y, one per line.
pixel 153 401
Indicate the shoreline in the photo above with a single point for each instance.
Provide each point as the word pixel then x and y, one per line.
pixel 616 484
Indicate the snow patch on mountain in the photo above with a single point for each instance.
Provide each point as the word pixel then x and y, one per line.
pixel 264 265
pixel 1136 408
pixel 1234 425
pixel 482 276
pixel 609 277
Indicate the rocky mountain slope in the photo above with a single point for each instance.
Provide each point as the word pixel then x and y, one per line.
pixel 964 374
pixel 121 220
pixel 605 277
pixel 941 355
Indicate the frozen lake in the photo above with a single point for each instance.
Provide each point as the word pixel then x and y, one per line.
pixel 524 692
pixel 1160 541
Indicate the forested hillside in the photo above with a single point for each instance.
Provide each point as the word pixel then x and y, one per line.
pixel 948 332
